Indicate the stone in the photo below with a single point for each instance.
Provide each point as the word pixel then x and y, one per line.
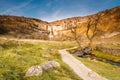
pixel 87 50
pixel 34 71
pixel 78 53
pixel 50 65
pixel 38 70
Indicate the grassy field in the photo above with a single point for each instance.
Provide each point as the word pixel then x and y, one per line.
pixel 17 57
pixel 109 71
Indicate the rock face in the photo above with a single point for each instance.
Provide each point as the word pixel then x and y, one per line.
pixel 50 64
pixel 38 70
pixel 34 71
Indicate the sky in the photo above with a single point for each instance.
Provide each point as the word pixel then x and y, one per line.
pixel 52 10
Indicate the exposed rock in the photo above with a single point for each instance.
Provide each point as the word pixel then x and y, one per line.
pixel 34 71
pixel 50 64
pixel 78 53
pixel 38 70
pixel 87 50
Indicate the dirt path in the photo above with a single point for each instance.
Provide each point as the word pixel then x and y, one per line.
pixel 29 40
pixel 79 68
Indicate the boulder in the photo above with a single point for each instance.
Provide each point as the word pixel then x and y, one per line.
pixel 78 53
pixel 34 71
pixel 87 50
pixel 49 65
pixel 38 70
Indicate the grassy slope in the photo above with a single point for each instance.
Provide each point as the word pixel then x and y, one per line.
pixel 111 46
pixel 107 56
pixel 16 58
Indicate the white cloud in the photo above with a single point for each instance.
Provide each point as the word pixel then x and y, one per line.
pixel 16 9
pixel 60 13
pixel 53 16
pixel 56 15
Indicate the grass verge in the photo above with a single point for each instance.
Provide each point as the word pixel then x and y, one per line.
pixel 107 56
pixel 109 71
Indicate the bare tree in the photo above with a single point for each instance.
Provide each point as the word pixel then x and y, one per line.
pixel 92 28
pixel 73 26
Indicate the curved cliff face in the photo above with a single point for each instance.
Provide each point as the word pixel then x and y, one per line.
pixel 109 22
pixel 21 27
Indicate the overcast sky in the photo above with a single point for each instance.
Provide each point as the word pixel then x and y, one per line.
pixel 51 10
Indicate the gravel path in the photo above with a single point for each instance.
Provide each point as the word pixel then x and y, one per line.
pixel 79 68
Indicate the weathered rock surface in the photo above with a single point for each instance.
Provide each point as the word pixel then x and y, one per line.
pixel 50 64
pixel 87 50
pixel 38 70
pixel 78 53
pixel 83 52
pixel 34 71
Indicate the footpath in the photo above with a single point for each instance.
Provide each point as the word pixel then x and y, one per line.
pixel 79 68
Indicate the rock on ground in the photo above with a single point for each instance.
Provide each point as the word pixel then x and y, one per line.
pixel 38 70
pixel 78 53
pixel 34 71
pixel 50 64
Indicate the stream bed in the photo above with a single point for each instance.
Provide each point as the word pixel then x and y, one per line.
pixel 92 57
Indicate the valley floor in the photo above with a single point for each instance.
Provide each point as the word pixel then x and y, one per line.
pixel 18 55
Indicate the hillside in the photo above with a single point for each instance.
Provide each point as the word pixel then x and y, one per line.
pixel 109 23
pixel 109 20
pixel 21 27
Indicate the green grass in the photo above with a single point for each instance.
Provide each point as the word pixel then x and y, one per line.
pixel 17 57
pixel 109 71
pixel 111 46
pixel 107 56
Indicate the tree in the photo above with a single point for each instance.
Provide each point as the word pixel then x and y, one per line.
pixel 92 28
pixel 73 26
